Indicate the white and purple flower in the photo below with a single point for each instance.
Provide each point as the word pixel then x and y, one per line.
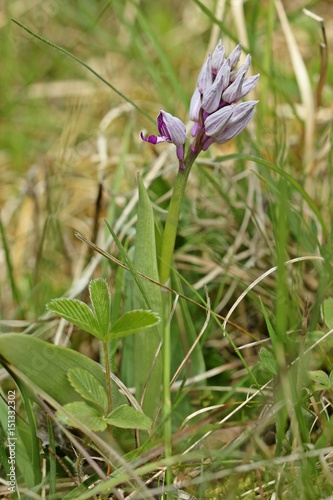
pixel 171 129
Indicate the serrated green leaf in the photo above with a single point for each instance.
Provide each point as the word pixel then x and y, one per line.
pixel 88 386
pixel 76 312
pixel 320 377
pixel 101 301
pixel 268 361
pixel 88 415
pixel 328 312
pixel 127 417
pixel 132 322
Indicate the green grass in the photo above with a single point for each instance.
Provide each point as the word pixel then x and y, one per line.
pixel 249 417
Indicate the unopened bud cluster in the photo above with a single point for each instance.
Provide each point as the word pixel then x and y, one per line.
pixel 215 109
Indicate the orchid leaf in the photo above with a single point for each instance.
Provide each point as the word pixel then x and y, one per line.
pixel 146 343
pixel 47 365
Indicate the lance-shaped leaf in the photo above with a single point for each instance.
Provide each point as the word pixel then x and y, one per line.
pixel 101 300
pixel 76 312
pixel 132 322
pixel 146 343
pixel 127 417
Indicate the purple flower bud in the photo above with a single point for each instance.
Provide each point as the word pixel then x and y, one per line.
pixel 217 57
pixel 235 56
pixel 212 95
pixel 232 93
pixel 232 130
pixel 195 106
pixel 205 77
pixel 242 69
pixel 171 129
pixel 239 88
pixel 228 122
pixel 216 122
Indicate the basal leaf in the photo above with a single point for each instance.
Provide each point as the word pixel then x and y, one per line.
pixel 132 322
pixel 146 343
pixel 101 301
pixel 76 312
pixel 88 415
pixel 127 417
pixel 88 386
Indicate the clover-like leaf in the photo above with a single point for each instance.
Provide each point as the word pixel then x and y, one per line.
pixel 88 386
pixel 87 414
pixel 132 322
pixel 126 417
pixel 76 312
pixel 101 300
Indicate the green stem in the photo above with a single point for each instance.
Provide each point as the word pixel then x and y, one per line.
pixel 168 246
pixel 166 352
pixel 171 225
pixel 107 375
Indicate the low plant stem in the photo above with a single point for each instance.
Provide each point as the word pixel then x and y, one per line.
pixel 107 375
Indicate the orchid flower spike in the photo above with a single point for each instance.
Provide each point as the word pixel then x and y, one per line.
pixel 213 109
pixel 170 129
